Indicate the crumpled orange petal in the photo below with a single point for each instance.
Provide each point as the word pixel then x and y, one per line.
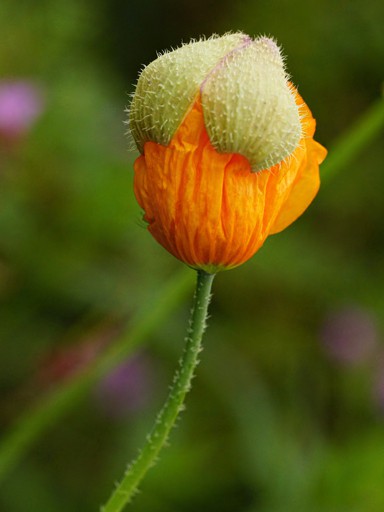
pixel 208 209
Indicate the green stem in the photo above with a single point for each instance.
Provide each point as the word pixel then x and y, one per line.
pixel 174 404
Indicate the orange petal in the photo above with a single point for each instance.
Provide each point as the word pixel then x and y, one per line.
pixel 309 155
pixel 208 209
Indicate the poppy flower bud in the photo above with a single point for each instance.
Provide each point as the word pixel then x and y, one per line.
pixel 227 149
pixel 249 107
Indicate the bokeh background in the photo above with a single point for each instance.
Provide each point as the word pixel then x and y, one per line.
pixel 287 410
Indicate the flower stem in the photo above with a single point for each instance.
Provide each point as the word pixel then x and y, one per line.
pixel 174 404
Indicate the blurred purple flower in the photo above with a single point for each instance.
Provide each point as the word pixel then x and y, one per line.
pixel 21 102
pixel 350 335
pixel 126 389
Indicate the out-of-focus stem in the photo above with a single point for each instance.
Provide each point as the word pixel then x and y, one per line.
pixel 354 140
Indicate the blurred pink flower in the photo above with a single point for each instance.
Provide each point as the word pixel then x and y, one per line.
pixel 350 335
pixel 21 103
pixel 65 361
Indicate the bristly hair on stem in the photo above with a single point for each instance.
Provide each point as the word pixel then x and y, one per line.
pixel 174 404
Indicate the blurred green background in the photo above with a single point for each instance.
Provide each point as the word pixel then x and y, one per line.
pixel 287 410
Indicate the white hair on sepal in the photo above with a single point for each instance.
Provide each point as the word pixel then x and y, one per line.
pixel 129 110
pixel 300 107
pixel 131 143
